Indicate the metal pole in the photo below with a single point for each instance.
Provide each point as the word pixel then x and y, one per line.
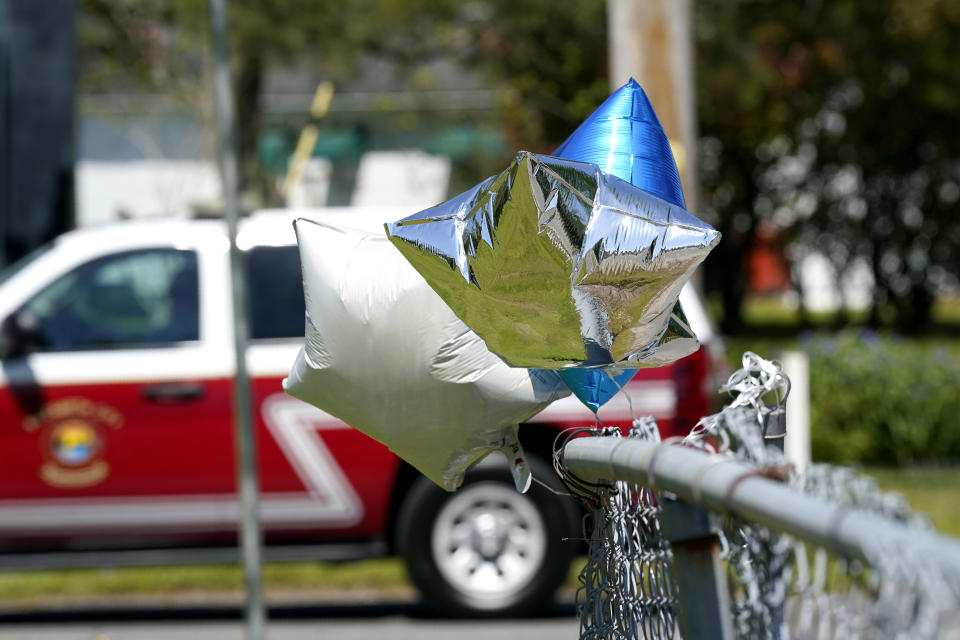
pixel 698 571
pixel 728 485
pixel 246 450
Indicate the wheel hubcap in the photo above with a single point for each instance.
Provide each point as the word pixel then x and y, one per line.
pixel 488 541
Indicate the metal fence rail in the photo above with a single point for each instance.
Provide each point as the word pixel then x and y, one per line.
pixel 727 485
pixel 732 535
pixel 721 537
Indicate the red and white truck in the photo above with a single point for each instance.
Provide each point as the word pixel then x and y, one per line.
pixel 116 442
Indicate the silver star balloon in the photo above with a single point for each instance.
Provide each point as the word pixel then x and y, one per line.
pixel 555 263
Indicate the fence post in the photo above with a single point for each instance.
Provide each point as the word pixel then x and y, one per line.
pixel 698 572
pixel 796 366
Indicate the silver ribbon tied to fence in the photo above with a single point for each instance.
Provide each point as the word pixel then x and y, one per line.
pixel 555 263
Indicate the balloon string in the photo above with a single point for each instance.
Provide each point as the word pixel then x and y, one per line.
pixel 551 489
pixel 613 379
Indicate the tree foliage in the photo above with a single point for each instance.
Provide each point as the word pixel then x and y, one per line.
pixel 833 121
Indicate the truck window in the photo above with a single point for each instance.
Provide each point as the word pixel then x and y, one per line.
pixel 132 299
pixel 276 292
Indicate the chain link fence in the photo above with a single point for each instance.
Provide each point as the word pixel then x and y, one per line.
pixel 820 554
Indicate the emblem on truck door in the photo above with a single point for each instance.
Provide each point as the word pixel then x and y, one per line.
pixel 74 443
pixel 72 436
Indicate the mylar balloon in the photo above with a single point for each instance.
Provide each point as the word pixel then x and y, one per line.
pixel 386 355
pixel 623 137
pixel 593 386
pixel 555 263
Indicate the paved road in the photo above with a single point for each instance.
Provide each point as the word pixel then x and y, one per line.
pixel 384 629
pixel 378 622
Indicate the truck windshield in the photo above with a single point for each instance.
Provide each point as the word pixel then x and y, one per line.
pixel 11 269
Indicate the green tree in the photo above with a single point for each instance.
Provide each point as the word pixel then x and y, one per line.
pixel 833 121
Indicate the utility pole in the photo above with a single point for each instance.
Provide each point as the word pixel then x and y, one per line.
pixel 650 41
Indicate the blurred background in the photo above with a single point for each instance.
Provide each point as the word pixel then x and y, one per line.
pixel 822 143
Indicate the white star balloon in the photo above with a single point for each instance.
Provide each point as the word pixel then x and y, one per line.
pixel 386 355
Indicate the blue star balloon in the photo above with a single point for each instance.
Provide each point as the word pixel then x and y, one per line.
pixel 625 138
pixel 595 386
pixel 622 137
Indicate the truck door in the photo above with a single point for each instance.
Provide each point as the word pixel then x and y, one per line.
pixel 116 415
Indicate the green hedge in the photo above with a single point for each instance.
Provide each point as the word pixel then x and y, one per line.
pixel 882 400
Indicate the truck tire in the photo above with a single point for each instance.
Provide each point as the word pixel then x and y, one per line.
pixel 487 550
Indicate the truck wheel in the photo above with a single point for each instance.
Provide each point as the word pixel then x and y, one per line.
pixel 486 549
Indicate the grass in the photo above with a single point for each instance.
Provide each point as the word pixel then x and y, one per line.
pixel 933 491
pixel 25 588
pixel 772 328
pixel 769 310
